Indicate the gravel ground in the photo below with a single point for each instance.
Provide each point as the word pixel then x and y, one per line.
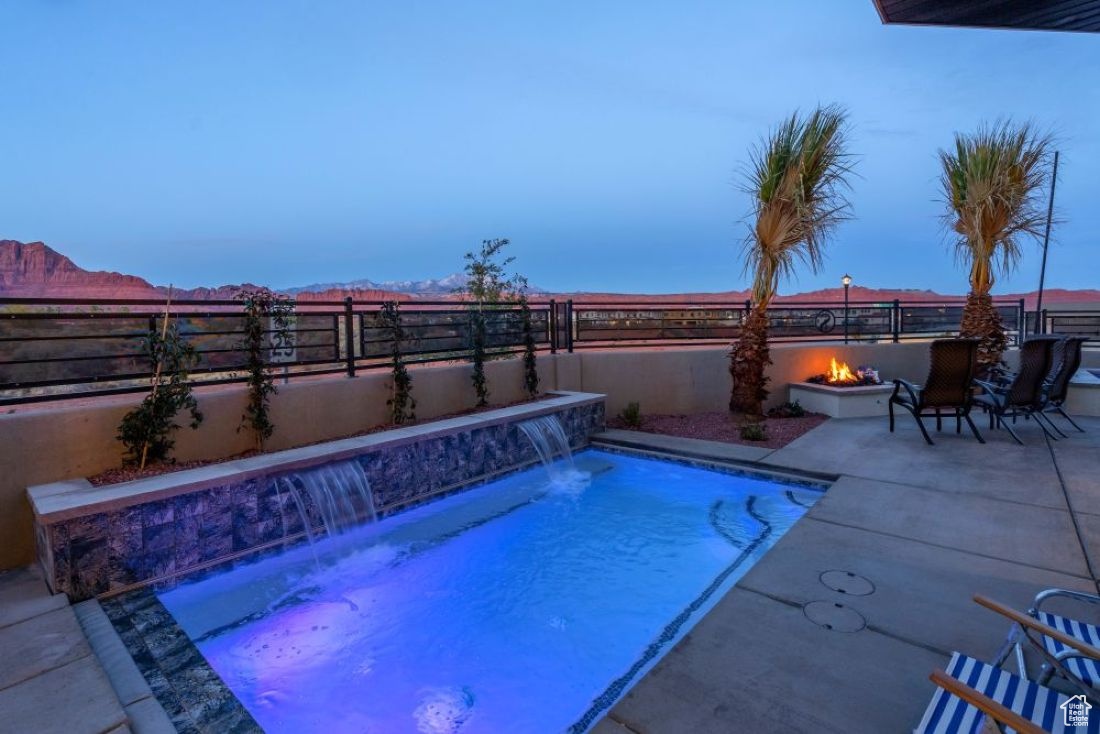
pixel 721 426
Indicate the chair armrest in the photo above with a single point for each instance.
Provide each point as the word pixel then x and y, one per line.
pixel 984 703
pixel 1027 622
pixel 912 389
pixel 996 374
pixel 1042 596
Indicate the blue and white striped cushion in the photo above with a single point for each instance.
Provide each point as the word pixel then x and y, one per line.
pixel 1084 668
pixel 947 714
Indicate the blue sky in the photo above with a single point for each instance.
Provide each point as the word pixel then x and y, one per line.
pixel 293 142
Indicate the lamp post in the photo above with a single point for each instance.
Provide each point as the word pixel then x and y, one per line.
pixel 847 281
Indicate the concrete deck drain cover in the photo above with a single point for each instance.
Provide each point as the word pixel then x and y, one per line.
pixel 846 582
pixel 834 616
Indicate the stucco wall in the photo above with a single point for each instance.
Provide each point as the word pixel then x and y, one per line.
pixel 697 380
pixel 52 442
pixel 48 443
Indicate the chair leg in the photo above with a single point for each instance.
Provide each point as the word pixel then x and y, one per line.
pixel 958 421
pixel 1071 422
pixel 939 420
pixel 923 430
pixel 1051 423
pixel 1039 422
pixel 1007 427
pixel 890 408
pixel 973 428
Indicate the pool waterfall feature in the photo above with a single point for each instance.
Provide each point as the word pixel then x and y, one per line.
pixel 93 541
pixel 340 491
pixel 548 437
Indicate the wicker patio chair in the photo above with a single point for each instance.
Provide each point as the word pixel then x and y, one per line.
pixel 1068 358
pixel 1023 395
pixel 947 387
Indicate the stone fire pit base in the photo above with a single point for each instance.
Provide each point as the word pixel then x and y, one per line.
pixel 842 402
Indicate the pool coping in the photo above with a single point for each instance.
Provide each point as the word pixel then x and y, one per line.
pixel 64 500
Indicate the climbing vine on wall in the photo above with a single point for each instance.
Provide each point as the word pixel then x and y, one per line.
pixel 401 402
pixel 267 321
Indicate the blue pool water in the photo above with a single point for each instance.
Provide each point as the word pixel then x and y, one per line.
pixel 526 605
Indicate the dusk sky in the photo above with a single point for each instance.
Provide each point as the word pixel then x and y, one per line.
pixel 289 143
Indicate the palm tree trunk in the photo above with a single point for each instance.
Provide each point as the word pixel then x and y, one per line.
pixel 748 360
pixel 980 320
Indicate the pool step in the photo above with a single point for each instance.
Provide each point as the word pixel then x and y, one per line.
pixel 60 668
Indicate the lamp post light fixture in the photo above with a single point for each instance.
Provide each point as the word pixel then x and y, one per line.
pixel 847 281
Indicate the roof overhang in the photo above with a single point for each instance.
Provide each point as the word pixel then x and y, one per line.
pixel 1045 15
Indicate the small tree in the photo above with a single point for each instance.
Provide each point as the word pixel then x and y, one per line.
pixel 401 402
pixel 264 311
pixel 146 431
pixel 486 285
pixel 991 184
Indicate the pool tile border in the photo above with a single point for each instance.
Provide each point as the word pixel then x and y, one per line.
pixel 191 692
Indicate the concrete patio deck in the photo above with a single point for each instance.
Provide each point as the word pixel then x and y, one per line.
pixel 928 526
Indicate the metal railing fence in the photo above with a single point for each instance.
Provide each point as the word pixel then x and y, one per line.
pixel 55 348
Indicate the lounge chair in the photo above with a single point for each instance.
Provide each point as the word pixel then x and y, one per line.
pixel 1022 395
pixel 1068 358
pixel 1083 667
pixel 947 387
pixel 970 692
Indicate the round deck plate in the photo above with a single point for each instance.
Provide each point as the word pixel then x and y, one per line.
pixel 846 582
pixel 834 616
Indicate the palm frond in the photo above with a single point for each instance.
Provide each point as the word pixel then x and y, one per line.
pixel 798 177
pixel 992 184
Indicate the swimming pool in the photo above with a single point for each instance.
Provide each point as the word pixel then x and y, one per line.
pixel 525 605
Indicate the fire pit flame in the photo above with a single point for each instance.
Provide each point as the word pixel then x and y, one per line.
pixel 840 374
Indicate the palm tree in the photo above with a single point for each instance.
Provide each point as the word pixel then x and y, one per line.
pixel 798 181
pixel 991 184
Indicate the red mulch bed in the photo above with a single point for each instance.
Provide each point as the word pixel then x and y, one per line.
pixel 130 473
pixel 722 426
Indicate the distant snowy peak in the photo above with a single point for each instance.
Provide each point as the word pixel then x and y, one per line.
pixel 430 287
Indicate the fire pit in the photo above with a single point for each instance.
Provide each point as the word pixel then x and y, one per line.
pixel 841 392
pixel 841 375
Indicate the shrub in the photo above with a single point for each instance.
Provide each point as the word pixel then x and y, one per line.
pixel 754 432
pixel 787 410
pixel 401 402
pixel 147 429
pixel 263 308
pixel 631 415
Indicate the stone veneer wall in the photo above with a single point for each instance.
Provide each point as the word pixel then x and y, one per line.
pixel 117 548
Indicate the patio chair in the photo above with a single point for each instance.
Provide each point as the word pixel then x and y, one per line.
pixel 970 692
pixel 1023 393
pixel 1082 666
pixel 947 387
pixel 1068 358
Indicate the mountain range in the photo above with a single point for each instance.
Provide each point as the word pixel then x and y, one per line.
pixel 35 270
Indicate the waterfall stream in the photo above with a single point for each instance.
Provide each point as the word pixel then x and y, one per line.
pixel 340 492
pixel 547 435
